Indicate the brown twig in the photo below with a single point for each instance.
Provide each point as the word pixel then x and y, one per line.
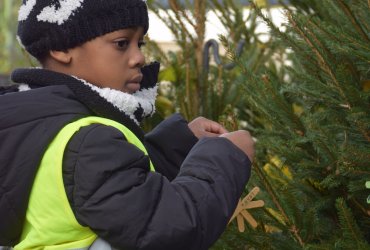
pixel 174 6
pixel 275 200
pixel 353 19
pixel 359 206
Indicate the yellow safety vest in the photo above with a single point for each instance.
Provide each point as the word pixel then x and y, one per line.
pixel 50 222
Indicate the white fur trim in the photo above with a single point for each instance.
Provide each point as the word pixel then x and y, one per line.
pixel 52 15
pixel 147 97
pixel 128 103
pixel 23 87
pixel 25 10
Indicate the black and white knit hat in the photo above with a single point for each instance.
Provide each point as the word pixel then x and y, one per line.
pixel 45 25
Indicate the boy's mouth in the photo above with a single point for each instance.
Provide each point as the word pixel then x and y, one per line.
pixel 136 79
pixel 133 84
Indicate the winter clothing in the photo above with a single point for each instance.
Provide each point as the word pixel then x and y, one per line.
pixel 95 180
pixel 61 25
pixel 47 225
pixel 185 204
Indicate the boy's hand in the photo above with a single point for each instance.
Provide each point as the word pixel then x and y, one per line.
pixel 202 127
pixel 243 140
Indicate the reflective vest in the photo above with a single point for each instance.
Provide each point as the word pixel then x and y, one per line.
pixel 50 222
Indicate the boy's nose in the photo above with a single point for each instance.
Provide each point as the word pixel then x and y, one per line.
pixel 137 58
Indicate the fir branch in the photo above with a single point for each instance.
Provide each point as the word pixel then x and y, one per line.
pixel 317 41
pixel 283 36
pixel 353 19
pixel 275 217
pixel 171 24
pixel 320 57
pixel 348 224
pixel 358 204
pixel 222 16
pixel 323 28
pixel 299 129
pixel 361 172
pixel 328 70
pixel 200 17
pixel 293 229
pixel 174 7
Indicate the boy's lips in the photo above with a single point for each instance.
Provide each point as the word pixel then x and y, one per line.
pixel 136 79
pixel 133 84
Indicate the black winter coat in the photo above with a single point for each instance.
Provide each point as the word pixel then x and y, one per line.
pixel 185 204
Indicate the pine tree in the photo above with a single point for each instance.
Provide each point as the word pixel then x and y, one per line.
pixel 313 148
pixel 202 83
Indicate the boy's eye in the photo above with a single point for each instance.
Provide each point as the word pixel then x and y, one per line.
pixel 141 44
pixel 122 44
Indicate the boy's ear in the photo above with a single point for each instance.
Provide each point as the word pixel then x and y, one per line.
pixel 64 57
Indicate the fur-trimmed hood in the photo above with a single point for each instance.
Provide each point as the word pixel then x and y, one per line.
pixel 136 106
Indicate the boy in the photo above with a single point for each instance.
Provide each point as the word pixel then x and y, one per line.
pixel 76 170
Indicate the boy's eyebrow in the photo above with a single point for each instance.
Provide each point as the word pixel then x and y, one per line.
pixel 121 36
pixel 124 33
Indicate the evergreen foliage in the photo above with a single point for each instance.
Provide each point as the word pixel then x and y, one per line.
pixel 313 148
pixel 196 90
pixel 11 53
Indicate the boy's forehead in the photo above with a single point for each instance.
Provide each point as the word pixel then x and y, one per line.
pixel 136 29
pixel 132 31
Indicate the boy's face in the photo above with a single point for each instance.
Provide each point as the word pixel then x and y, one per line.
pixel 113 60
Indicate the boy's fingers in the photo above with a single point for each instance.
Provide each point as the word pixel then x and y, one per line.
pixel 216 128
pixel 210 134
pixel 203 127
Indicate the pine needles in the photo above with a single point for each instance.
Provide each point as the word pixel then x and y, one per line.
pixel 316 121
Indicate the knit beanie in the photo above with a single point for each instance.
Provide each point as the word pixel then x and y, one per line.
pixel 45 25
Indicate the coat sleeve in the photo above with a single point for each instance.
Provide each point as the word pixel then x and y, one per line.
pixel 112 191
pixel 168 144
